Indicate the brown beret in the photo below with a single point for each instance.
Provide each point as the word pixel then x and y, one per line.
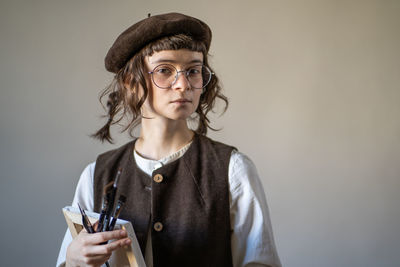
pixel 150 29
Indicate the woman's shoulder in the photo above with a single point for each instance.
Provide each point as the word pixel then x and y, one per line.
pixel 239 157
pixel 119 150
pixel 86 177
pixel 241 162
pixel 244 179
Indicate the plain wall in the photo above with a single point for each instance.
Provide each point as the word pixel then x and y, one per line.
pixel 314 101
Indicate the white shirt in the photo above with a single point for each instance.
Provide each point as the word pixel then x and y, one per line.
pixel 252 241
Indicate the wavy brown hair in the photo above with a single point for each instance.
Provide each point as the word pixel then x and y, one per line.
pixel 125 102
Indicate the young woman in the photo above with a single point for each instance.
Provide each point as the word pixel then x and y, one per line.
pixel 191 200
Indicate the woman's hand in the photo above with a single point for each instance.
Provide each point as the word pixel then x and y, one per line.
pixel 86 249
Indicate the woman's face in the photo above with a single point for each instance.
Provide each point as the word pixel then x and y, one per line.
pixel 180 100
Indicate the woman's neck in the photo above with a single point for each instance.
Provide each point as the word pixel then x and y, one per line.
pixel 159 139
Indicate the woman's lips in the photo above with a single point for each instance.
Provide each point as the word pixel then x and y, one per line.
pixel 181 101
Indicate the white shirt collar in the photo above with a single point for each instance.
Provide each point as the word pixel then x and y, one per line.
pixel 149 165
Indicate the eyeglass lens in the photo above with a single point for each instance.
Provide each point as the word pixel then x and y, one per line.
pixel 165 76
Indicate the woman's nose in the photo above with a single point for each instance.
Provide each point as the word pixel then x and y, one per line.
pixel 182 81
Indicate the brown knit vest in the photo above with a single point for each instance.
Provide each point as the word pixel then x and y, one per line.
pixel 186 203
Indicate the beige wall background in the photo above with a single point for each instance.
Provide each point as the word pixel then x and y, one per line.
pixel 314 101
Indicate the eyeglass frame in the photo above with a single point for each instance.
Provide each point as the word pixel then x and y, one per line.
pixel 186 73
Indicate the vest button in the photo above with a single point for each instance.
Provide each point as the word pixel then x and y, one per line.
pixel 158 178
pixel 158 226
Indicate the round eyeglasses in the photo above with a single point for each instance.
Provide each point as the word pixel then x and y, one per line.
pixel 165 76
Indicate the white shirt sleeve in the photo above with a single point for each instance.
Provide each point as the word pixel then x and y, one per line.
pixel 252 241
pixel 83 196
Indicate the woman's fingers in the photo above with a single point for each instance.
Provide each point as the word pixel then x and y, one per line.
pixel 91 250
pixel 98 238
pixel 106 249
pixel 97 260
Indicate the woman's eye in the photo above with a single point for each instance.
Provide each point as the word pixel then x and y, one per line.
pixel 194 71
pixel 164 71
